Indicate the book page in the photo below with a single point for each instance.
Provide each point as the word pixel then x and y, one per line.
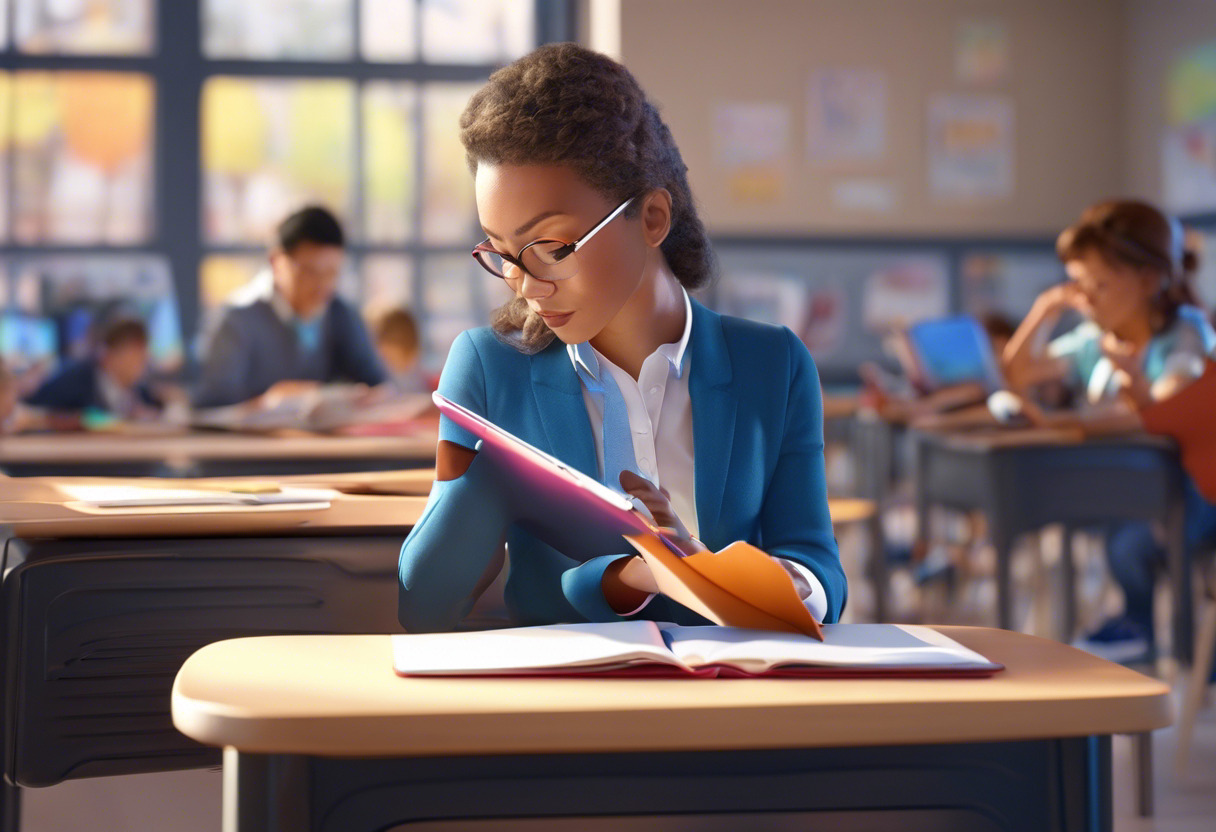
pixel 532 649
pixel 843 645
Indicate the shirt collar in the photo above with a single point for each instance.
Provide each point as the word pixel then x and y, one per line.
pixel 674 352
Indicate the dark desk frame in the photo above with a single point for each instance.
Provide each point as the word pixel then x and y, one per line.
pixel 1022 488
pixel 1048 785
pixel 94 631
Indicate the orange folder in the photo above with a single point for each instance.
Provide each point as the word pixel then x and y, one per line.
pixel 761 594
pixel 1187 418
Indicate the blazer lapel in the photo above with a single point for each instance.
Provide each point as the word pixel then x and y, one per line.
pixel 714 406
pixel 558 396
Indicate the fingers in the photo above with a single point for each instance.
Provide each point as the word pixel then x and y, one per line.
pixel 656 502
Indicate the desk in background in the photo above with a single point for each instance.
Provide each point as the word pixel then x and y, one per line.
pixel 1026 479
pixel 1027 749
pixel 100 612
pixel 210 454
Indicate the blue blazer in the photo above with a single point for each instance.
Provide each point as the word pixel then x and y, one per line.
pixel 758 474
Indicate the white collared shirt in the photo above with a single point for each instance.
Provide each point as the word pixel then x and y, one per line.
pixel 659 409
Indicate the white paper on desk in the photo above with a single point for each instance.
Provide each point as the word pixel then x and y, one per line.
pixel 523 649
pixel 135 496
pixel 843 645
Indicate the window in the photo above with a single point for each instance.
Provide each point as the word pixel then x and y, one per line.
pixel 170 137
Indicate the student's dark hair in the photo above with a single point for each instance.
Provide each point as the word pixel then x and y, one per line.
pixel 566 105
pixel 997 325
pixel 1128 232
pixel 120 332
pixel 312 224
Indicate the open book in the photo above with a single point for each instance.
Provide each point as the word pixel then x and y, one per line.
pixel 327 408
pixel 647 648
pixel 122 496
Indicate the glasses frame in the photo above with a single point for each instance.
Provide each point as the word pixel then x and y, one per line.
pixel 485 246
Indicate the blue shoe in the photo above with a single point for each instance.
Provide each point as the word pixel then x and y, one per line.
pixel 1120 640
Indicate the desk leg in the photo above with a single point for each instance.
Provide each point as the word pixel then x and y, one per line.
pixel 878 568
pixel 10 806
pixel 1144 774
pixel 1002 543
pixel 265 793
pixel 1068 575
pixel 1180 586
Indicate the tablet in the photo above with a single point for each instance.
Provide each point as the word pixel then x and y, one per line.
pixel 952 351
pixel 560 505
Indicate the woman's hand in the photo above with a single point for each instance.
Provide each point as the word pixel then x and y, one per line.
pixel 658 503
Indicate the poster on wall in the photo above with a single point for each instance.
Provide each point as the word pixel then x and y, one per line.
pixel 752 149
pixel 1188 144
pixel 901 293
pixel 1006 283
pixel 839 301
pixel 981 52
pixel 970 147
pixel 846 116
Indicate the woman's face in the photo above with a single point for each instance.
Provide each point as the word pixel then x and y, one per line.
pixel 1114 295
pixel 520 204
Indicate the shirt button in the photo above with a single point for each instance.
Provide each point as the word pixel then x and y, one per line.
pixel 641 431
pixel 645 463
pixel 654 391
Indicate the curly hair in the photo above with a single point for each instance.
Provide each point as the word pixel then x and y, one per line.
pixel 566 105
pixel 1136 234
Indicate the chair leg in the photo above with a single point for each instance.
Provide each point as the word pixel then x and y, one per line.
pixel 1144 774
pixel 1201 670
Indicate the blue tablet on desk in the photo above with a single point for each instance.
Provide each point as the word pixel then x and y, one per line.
pixel 952 351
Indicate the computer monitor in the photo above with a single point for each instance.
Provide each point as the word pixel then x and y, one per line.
pixel 28 341
pixel 954 350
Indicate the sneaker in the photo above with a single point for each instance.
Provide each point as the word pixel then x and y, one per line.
pixel 1119 640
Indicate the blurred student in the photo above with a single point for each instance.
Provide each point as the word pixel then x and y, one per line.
pixel 881 394
pixel 15 416
pixel 298 333
pixel 399 346
pixel 110 380
pixel 1144 338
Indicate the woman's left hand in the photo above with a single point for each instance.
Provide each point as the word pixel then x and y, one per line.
pixel 658 503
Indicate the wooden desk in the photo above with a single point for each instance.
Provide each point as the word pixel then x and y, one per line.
pixel 99 612
pixel 1024 480
pixel 210 454
pixel 1028 749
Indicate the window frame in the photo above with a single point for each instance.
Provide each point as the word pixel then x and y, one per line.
pixel 178 73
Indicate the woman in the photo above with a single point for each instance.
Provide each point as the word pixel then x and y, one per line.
pixel 602 359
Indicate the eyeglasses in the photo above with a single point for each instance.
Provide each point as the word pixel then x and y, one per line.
pixel 546 258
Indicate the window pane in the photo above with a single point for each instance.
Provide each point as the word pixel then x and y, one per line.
pixel 389 147
pixel 449 213
pixel 271 146
pixel 3 24
pixel 452 301
pixel 85 27
pixel 388 282
pixel 389 30
pixel 82 148
pixel 320 30
pixel 476 31
pixel 6 99
pixel 75 292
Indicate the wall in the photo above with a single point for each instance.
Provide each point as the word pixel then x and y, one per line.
pixel 1065 82
pixel 1158 31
